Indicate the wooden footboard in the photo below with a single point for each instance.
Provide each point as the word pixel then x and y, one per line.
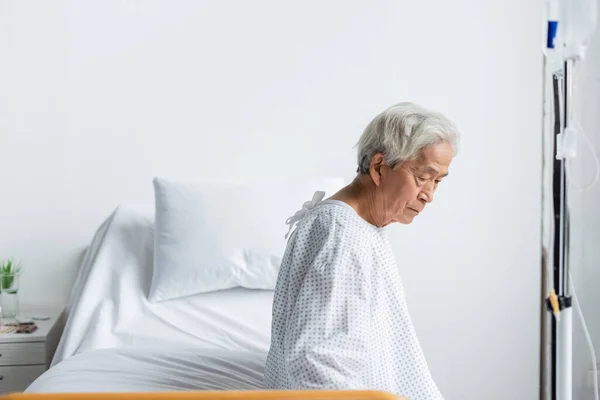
pixel 205 395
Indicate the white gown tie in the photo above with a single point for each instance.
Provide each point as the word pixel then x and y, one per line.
pixel 306 207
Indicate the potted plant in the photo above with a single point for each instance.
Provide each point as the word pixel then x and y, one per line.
pixel 9 288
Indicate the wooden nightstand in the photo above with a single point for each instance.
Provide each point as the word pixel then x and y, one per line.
pixel 25 356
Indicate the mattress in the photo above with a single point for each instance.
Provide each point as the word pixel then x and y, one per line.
pixel 153 370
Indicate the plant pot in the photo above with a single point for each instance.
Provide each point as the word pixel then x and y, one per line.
pixel 9 296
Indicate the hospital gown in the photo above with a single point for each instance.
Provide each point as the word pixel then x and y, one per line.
pixel 340 319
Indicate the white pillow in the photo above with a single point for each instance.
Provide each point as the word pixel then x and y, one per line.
pixel 216 236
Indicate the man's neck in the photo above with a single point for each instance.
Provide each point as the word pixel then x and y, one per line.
pixel 360 196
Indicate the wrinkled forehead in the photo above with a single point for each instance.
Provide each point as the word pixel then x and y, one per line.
pixel 435 170
pixel 434 160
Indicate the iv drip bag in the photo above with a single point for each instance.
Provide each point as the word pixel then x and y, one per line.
pixel 578 20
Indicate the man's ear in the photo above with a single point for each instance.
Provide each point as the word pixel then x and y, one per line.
pixel 377 163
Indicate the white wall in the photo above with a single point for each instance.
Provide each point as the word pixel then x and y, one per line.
pixel 98 97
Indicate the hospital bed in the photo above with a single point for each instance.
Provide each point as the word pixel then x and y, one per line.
pixel 117 344
pixel 115 340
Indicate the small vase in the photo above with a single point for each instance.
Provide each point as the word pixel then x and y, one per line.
pixel 9 294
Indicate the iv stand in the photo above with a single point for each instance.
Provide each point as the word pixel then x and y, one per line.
pixel 562 332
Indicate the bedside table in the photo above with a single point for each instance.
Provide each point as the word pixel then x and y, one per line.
pixel 25 356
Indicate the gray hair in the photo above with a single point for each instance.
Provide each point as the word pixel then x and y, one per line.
pixel 401 132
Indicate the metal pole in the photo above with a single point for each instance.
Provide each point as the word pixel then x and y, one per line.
pixel 562 328
pixel 557 91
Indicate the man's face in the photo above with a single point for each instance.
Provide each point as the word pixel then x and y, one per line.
pixel 405 190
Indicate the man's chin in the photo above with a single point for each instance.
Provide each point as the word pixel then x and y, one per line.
pixel 406 220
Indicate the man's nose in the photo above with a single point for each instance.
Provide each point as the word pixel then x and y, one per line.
pixel 426 195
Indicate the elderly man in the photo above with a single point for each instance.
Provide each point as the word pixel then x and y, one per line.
pixel 340 319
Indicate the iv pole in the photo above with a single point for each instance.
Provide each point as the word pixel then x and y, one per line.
pixel 576 21
pixel 562 331
pixel 559 302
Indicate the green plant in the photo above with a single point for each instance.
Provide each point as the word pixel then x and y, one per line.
pixel 9 270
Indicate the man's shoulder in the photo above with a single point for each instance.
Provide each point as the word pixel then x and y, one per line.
pixel 334 243
pixel 338 223
pixel 334 232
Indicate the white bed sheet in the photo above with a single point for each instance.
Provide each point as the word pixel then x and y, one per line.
pixel 108 307
pixel 143 370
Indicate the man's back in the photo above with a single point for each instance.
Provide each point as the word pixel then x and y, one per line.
pixel 339 315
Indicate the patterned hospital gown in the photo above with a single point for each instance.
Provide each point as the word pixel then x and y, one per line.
pixel 340 319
